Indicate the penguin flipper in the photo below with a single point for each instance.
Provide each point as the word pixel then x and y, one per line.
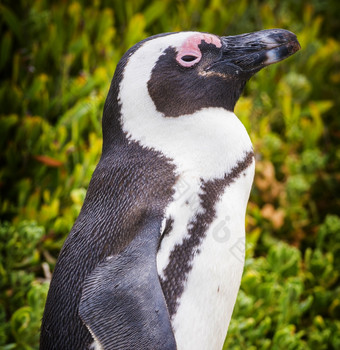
pixel 122 302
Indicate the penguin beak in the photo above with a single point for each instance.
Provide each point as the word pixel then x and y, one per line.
pixel 251 52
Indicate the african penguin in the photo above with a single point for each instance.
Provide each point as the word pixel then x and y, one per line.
pixel 155 258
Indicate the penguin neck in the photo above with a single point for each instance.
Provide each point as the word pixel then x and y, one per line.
pixel 206 144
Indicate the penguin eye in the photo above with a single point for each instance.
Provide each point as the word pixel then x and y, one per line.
pixel 188 60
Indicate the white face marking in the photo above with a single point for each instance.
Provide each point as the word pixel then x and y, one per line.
pixel 207 143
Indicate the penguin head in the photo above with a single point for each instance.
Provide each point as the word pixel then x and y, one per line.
pixel 204 70
pixel 177 74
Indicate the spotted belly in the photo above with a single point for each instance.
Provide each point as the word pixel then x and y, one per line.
pixel 201 255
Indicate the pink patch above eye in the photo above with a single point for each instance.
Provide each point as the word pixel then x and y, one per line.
pixel 189 53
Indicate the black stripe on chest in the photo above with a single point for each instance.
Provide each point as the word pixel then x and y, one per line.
pixel 182 256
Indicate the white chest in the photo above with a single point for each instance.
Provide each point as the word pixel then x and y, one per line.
pixel 200 260
pixel 206 303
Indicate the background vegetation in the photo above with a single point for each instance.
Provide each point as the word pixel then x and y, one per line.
pixel 57 60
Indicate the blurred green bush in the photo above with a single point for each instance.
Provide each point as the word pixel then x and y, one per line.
pixel 56 63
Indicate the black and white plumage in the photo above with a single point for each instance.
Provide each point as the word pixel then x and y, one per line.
pixel 142 267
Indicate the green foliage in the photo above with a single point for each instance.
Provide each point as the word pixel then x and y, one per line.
pixel 290 301
pixel 56 62
pixel 22 295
